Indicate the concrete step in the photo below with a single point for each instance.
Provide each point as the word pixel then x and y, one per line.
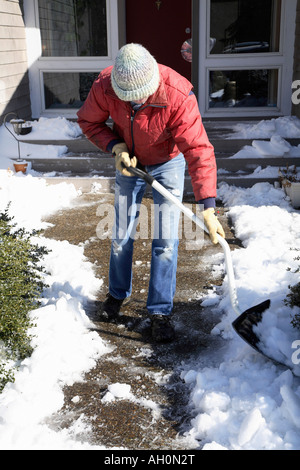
pixel 80 145
pixel 232 146
pixel 79 164
pixel 84 161
pixel 107 185
pixel 83 164
pixel 244 182
pixel 249 165
pixel 222 145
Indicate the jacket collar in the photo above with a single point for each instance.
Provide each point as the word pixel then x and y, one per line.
pixel 159 98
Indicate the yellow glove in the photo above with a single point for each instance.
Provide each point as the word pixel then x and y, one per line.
pixel 213 225
pixel 121 153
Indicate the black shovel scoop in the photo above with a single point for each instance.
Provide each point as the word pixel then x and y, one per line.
pixel 245 322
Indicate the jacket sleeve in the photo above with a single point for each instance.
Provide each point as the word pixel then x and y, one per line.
pixel 191 138
pixel 92 118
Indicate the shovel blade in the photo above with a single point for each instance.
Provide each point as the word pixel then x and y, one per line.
pixel 244 324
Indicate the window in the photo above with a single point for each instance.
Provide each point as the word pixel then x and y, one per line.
pixel 73 28
pixel 69 43
pixel 246 50
pixel 242 26
pixel 243 88
pixel 67 90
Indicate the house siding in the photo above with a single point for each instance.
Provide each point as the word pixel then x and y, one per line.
pixel 14 83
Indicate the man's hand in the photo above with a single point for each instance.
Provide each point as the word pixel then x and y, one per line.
pixel 213 225
pixel 122 157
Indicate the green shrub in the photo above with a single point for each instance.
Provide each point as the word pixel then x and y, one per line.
pixel 21 285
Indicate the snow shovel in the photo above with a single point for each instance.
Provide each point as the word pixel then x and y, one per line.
pixel 245 321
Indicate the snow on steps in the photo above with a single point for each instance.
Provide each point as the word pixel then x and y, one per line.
pixel 246 172
pixel 84 164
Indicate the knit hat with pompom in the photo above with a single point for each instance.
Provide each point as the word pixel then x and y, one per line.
pixel 135 74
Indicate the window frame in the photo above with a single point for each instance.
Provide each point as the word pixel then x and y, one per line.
pixel 37 64
pixel 281 60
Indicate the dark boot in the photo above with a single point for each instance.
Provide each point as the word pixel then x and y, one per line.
pixel 162 329
pixel 110 310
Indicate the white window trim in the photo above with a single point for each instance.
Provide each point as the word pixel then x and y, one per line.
pixel 38 64
pixel 282 60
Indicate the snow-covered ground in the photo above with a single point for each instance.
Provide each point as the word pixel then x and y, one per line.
pixel 65 347
pixel 241 400
pixel 43 129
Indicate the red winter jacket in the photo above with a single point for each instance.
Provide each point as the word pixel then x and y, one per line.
pixel 167 124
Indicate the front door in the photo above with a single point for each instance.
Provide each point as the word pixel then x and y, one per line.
pixel 162 27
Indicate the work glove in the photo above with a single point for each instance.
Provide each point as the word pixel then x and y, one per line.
pixel 122 157
pixel 213 225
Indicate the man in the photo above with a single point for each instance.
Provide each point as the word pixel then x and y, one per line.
pixel 157 124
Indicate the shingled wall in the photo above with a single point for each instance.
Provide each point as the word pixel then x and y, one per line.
pixel 14 83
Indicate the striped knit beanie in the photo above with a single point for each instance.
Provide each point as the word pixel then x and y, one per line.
pixel 135 74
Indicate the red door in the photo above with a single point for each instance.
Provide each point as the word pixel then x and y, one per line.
pixel 162 27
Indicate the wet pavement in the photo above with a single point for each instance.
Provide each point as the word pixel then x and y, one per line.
pixel 160 414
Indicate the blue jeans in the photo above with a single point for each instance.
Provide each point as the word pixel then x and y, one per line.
pixel 128 197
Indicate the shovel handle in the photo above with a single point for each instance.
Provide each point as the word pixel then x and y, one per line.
pixel 140 174
pixel 190 214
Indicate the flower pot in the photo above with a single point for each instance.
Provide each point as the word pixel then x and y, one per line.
pixel 21 166
pixel 293 191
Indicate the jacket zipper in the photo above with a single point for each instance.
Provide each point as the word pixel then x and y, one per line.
pixel 132 118
pixel 133 114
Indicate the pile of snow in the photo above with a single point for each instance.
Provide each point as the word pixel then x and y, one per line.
pixel 58 128
pixel 241 399
pixel 65 348
pixel 65 345
pixel 277 131
pixel 31 198
pixel 118 390
pixel 287 127
pixel 275 147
